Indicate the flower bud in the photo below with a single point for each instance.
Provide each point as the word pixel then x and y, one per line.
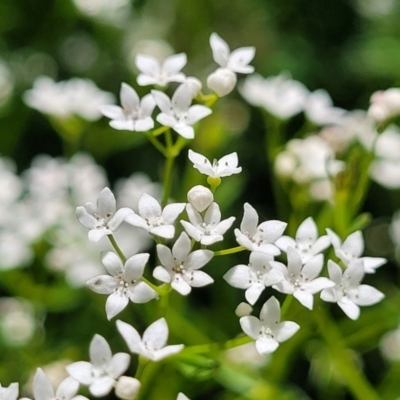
pixel 127 388
pixel 200 197
pixel 222 81
pixel 243 309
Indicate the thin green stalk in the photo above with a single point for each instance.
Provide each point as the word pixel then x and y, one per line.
pixel 170 155
pixel 218 346
pixel 229 251
pixel 156 143
pixel 117 248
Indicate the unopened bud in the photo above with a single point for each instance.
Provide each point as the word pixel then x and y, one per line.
pixel 222 81
pixel 200 197
pixel 243 309
pixel 127 388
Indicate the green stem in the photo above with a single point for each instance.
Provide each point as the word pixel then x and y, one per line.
pixel 286 305
pixel 117 248
pixel 164 300
pixel 218 346
pixel 156 143
pixel 229 251
pixel 142 362
pixel 342 358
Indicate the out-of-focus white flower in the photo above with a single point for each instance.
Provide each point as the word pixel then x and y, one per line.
pixel 390 345
pixel 181 396
pixel 394 232
pixel 302 281
pixel 153 344
pixel 385 169
pixel 207 230
pixel 80 97
pixel 225 166
pixel 280 95
pixel 222 81
pixel 384 104
pixel 9 393
pixel 154 73
pixel 347 292
pixel 193 84
pixel 243 309
pixel 259 237
pixel 124 282
pixel 254 277
pixel 104 218
pixel 307 242
pixel 200 197
pixel 351 250
pixel 104 369
pixel 127 388
pixel 236 61
pixel 134 115
pixel 268 331
pixel 320 111
pixel 180 267
pixel 155 220
pixel 177 113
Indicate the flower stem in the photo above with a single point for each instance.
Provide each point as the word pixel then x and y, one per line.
pixel 229 251
pixel 216 346
pixel 156 143
pixel 117 248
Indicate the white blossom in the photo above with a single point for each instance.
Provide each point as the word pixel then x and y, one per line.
pixel 267 331
pixel 103 219
pixel 255 276
pixel 177 113
pixel 134 115
pixel 307 242
pixel 259 237
pixel 155 220
pixel 222 81
pixel 10 392
pixel 302 281
pixel 348 293
pixel 153 344
pixel 200 197
pixel 207 230
pixel 104 369
pixel 124 282
pixel 154 73
pixel 385 104
pixel 180 267
pixel 352 248
pixel 127 388
pixel 225 166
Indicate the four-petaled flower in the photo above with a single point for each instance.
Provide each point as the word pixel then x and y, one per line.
pixel 208 230
pixel 153 219
pixel 347 292
pixel 177 113
pixel 268 331
pixel 134 115
pixel 301 281
pixel 307 243
pixel 124 282
pixel 352 248
pixel 102 219
pixel 254 277
pixel 153 344
pixel 154 73
pixel 180 267
pixel 104 369
pixel 259 237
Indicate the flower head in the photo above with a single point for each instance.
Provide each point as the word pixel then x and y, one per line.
pixel 134 115
pixel 153 344
pixel 268 331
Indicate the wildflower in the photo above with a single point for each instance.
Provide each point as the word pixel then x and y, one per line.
pixel 124 282
pixel 268 331
pixel 222 81
pixel 134 115
pixel 384 104
pixel 104 369
pixel 347 292
pixel 180 267
pixel 153 344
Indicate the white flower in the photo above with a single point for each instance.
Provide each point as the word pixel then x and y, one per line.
pixel 347 292
pixel 319 109
pixel 225 166
pixel 301 281
pixel 9 393
pixel 352 248
pixel 268 331
pixel 154 73
pixel 134 115
pixel 200 197
pixel 222 81
pixel 178 113
pixel 124 282
pixel 235 61
pixel 104 369
pixel 254 277
pixel 180 267
pixel 259 237
pixel 153 344
pixel 181 396
pixel 127 388
pixel 307 242
pixel 43 390
pixel 279 95
pixel 384 104
pixel 207 230
pixel 155 220
pixel 102 219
